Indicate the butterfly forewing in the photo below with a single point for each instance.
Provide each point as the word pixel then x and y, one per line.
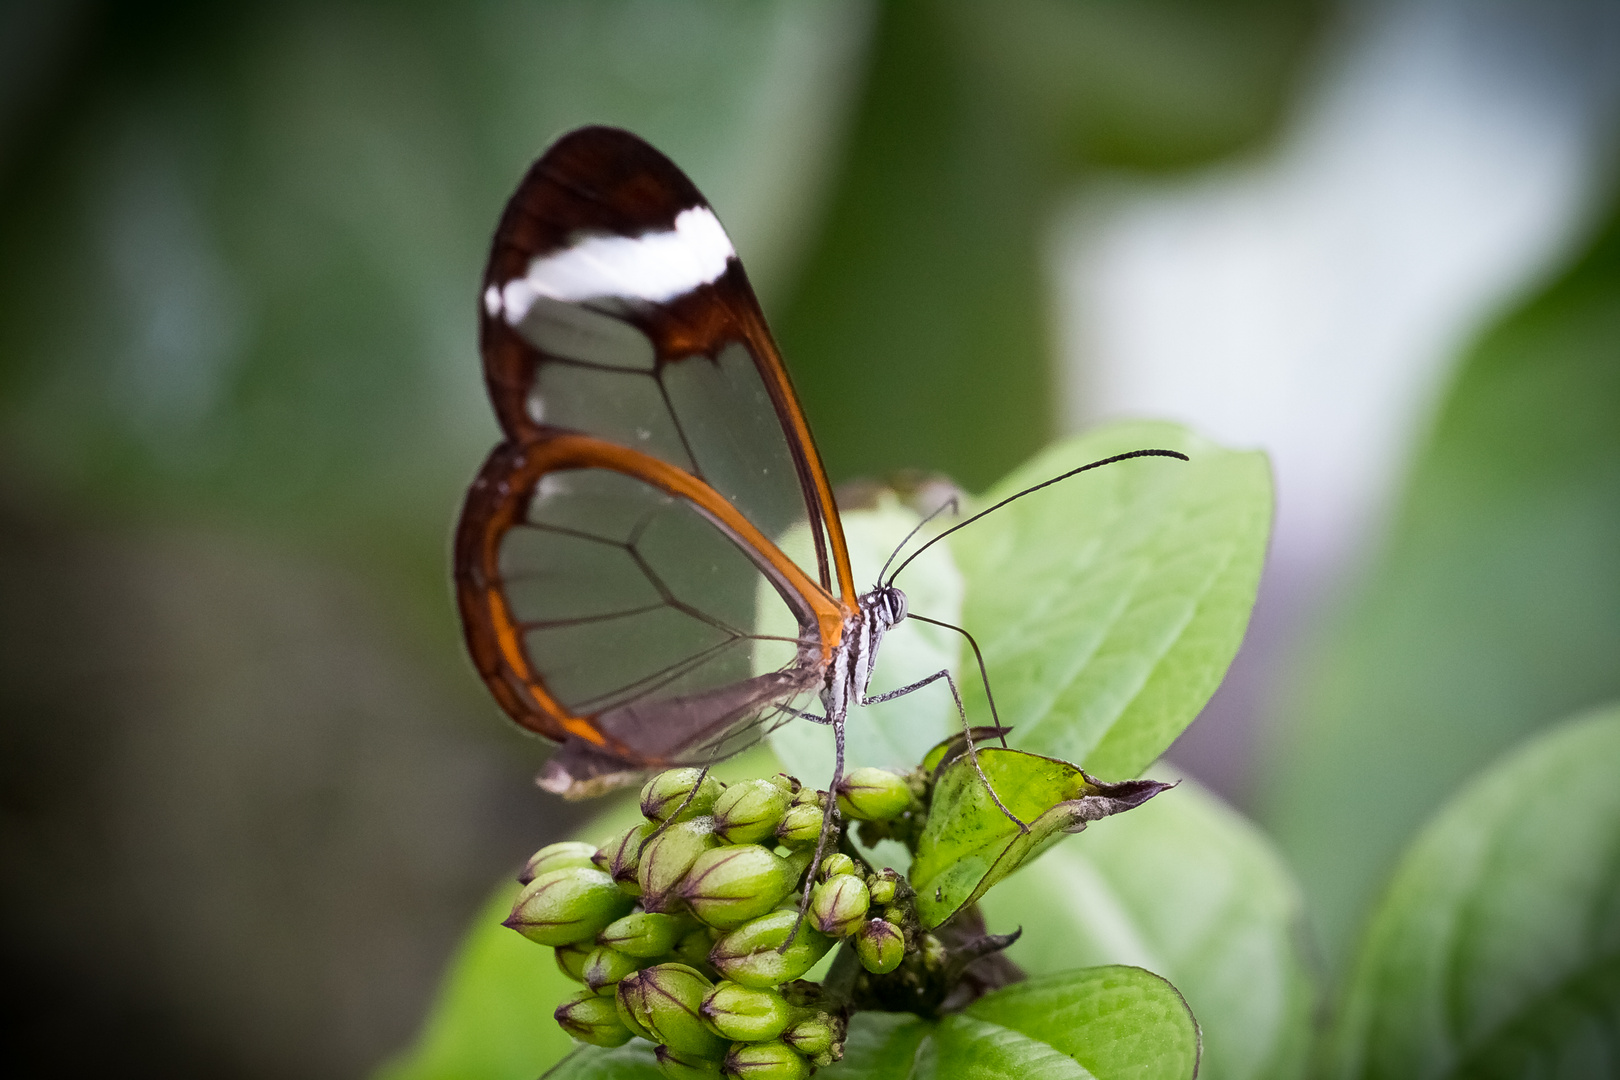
pixel 620 560
pixel 614 304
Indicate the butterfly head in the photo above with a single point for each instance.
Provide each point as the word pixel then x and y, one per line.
pixel 886 603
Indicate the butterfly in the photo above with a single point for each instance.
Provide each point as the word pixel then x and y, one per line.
pixel 650 566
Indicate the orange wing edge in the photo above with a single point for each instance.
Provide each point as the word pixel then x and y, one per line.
pixel 609 749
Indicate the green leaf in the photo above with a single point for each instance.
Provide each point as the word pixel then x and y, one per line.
pixel 1105 1022
pixel 968 843
pixel 880 1046
pixel 1186 887
pixel 1108 607
pixel 1496 949
pixel 1493 611
pixel 632 1061
pixel 1114 1021
pixel 964 1047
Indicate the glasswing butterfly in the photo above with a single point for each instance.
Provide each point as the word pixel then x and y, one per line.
pixel 657 509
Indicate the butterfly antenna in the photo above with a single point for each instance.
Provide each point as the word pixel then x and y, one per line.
pixel 1030 491
pixel 949 504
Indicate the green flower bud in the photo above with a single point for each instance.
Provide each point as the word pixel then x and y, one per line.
pixel 665 793
pixel 883 885
pixel 765 1061
pixel 557 857
pixel 727 886
pixel 605 967
pixel 789 784
pixel 693 949
pixel 810 797
pixel 621 856
pixel 626 1017
pixel 748 955
pixel 593 1019
pixel 676 1065
pixel 813 1035
pixel 869 794
pixel 746 1014
pixel 835 864
pixel 749 811
pixel 665 1001
pixel 881 946
pixel 666 859
pixel 571 959
pixel 644 933
pixel 563 906
pixel 933 953
pixel 801 826
pixel 838 905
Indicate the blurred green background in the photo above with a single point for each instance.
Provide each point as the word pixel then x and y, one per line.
pixel 250 790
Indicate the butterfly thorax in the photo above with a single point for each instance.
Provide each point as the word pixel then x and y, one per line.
pixel 851 669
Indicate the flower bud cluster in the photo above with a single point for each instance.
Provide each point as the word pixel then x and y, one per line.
pixel 684 929
pixel 872 912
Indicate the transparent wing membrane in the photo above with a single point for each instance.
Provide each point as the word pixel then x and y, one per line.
pixel 625 594
pixel 711 417
pixel 586 334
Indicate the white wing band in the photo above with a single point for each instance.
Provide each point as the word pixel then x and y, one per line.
pixel 656 267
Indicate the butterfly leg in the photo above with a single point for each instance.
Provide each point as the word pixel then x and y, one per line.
pixel 800 714
pixel 829 817
pixel 961 711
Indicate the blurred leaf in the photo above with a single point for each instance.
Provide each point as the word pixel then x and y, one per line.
pixel 918 333
pixel 1156 84
pixel 1108 608
pixel 968 844
pixel 1113 1021
pixel 1494 609
pixel 1496 949
pixel 1186 887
